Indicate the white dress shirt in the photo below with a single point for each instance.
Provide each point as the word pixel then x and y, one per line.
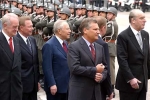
pixel 7 38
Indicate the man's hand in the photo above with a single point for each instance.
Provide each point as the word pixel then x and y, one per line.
pixel 98 77
pixel 39 86
pixel 53 89
pixel 134 83
pixel 100 68
pixel 110 97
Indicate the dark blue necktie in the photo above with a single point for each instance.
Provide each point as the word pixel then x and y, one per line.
pixel 29 44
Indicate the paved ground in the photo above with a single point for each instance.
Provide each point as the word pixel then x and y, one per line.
pixel 123 23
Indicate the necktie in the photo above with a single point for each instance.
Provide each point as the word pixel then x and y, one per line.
pixel 140 40
pixel 92 51
pixel 11 44
pixel 65 47
pixel 29 44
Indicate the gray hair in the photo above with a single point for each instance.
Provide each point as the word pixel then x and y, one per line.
pixel 58 25
pixel 86 23
pixel 7 17
pixel 134 13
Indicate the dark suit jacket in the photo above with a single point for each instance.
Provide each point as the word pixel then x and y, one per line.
pixel 55 67
pixel 133 62
pixel 30 65
pixel 82 84
pixel 106 84
pixel 10 70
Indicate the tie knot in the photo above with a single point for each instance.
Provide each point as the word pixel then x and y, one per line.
pixel 10 39
pixel 91 45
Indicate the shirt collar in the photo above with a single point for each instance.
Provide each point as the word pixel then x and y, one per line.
pixel 87 42
pixel 60 40
pixel 134 31
pixel 6 36
pixel 100 35
pixel 23 37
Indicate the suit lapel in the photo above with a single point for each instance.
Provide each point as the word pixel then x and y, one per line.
pixel 23 44
pixel 16 51
pixel 59 46
pixel 86 49
pixel 97 53
pixel 134 40
pixel 144 42
pixel 5 46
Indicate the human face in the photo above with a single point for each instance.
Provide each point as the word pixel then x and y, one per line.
pixel 29 10
pixel 110 16
pixel 63 16
pixel 95 13
pixel 71 10
pixel 79 12
pixel 27 28
pixel 64 32
pixel 91 33
pixel 14 3
pixel 41 9
pixel 24 8
pixel 90 13
pixel 139 21
pixel 12 27
pixel 20 6
pixel 50 13
pixel 83 11
pixel 102 14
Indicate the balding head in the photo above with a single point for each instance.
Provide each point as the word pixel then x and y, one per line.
pixel 134 13
pixel 137 19
pixel 10 23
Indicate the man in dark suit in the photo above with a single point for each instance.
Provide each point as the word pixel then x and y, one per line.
pixel 55 67
pixel 29 57
pixel 106 84
pixel 86 63
pixel 133 59
pixel 10 61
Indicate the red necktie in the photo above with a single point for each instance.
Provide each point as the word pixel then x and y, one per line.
pixel 92 51
pixel 11 44
pixel 65 47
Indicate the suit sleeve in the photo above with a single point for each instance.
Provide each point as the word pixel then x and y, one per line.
pixel 106 84
pixel 122 56
pixel 38 72
pixel 47 55
pixel 74 64
pixel 104 73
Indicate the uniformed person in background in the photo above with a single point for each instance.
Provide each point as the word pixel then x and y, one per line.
pixel 110 37
pixel 72 10
pixel 24 8
pixel 19 4
pixel 65 13
pixel 103 11
pixel 84 10
pixel 90 11
pixel 38 17
pixel 95 11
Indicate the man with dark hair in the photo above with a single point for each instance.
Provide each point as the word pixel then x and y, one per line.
pixel 30 63
pixel 133 59
pixel 106 84
pixel 86 63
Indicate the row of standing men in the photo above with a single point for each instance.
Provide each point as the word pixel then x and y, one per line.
pixel 66 13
